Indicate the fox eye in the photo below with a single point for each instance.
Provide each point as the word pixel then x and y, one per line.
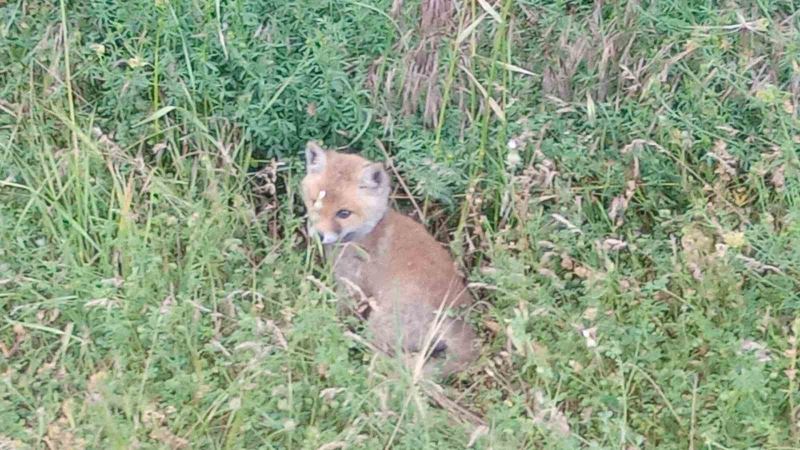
pixel 343 214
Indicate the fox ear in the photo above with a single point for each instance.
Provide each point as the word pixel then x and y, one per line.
pixel 374 178
pixel 315 158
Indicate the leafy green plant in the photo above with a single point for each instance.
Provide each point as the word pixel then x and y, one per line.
pixel 618 179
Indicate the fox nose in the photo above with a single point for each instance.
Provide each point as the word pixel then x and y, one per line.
pixel 328 238
pixel 325 238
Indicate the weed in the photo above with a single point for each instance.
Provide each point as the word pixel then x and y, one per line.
pixel 619 180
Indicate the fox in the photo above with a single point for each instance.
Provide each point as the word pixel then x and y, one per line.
pixel 387 268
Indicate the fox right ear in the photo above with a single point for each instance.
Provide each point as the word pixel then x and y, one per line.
pixel 374 178
pixel 315 157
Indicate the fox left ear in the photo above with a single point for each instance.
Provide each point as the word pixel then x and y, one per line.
pixel 315 158
pixel 374 177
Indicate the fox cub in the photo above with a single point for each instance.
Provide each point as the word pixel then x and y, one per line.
pixel 391 271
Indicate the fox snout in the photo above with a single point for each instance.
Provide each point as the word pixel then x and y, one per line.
pixel 330 233
pixel 330 237
pixel 326 237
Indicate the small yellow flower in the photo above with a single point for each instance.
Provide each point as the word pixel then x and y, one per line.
pixel 788 107
pixel 734 239
pixel 767 94
pixel 135 62
pixel 99 49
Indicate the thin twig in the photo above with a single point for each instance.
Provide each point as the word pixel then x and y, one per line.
pixel 660 393
pixel 694 412
pixel 400 180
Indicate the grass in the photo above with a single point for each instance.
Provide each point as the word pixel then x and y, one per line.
pixel 619 180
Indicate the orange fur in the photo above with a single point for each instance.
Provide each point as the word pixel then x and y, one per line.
pixel 381 255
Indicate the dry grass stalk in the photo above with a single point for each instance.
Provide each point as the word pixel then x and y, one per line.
pixel 557 77
pixel 400 180
pixel 422 74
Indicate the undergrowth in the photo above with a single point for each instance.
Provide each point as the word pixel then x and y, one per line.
pixel 619 180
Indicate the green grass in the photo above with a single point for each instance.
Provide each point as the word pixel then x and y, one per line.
pixel 620 182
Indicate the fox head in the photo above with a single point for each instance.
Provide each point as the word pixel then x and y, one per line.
pixel 345 195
